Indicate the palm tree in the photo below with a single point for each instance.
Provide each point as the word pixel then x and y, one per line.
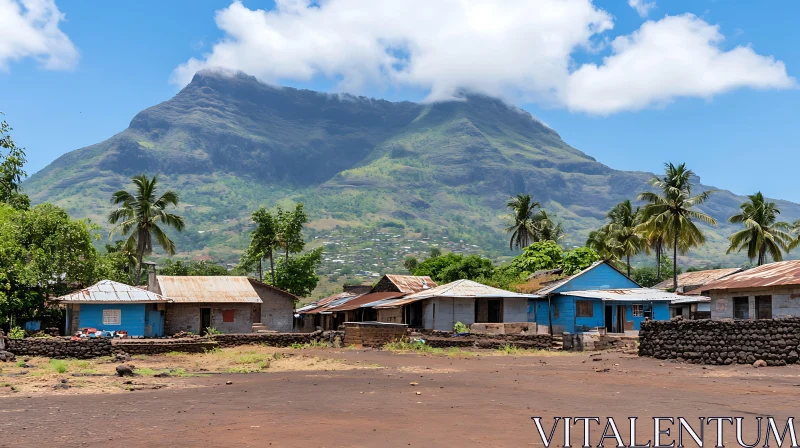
pixel 601 241
pixel 627 241
pixel 523 229
pixel 140 213
pixel 762 234
pixel 545 229
pixel 656 240
pixel 673 212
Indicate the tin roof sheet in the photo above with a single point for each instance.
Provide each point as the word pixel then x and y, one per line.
pixel 409 284
pixel 319 305
pixel 357 302
pixel 208 289
pixel 107 291
pixel 466 289
pixel 697 278
pixel 782 273
pixel 626 295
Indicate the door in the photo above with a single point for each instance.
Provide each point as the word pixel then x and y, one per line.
pixel 495 311
pixel 156 321
pixel 205 319
pixel 620 318
pixel 609 318
pixel 763 307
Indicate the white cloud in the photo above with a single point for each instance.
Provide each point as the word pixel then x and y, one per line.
pixel 678 56
pixel 30 29
pixel 642 7
pixel 522 50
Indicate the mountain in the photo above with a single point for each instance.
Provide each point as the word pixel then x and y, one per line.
pixel 380 179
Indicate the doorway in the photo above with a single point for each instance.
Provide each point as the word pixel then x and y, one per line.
pixel 495 311
pixel 205 320
pixel 609 319
pixel 763 307
pixel 620 318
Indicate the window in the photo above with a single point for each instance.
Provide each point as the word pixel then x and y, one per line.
pixel 763 307
pixel 741 308
pixel 228 315
pixel 112 317
pixel 584 308
pixel 637 310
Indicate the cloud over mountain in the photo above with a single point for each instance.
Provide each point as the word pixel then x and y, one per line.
pixel 522 50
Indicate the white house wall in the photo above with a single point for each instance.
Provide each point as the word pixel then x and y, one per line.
pixel 515 310
pixel 785 302
pixel 447 313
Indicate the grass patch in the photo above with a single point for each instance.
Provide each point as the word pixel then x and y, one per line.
pixel 20 364
pixel 59 365
pixel 145 371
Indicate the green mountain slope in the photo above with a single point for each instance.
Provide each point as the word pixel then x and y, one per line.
pixel 381 180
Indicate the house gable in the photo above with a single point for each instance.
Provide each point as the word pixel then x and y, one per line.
pixel 601 276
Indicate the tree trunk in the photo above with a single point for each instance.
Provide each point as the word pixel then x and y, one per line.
pixel 675 264
pixel 260 270
pixel 628 261
pixel 658 261
pixel 272 266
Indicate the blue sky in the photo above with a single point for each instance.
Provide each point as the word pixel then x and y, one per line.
pixel 128 53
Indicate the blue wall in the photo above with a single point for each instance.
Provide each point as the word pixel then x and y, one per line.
pixel 565 319
pixel 602 276
pixel 132 317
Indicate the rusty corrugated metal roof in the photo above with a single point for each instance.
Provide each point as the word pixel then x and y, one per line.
pixel 782 273
pixel 356 302
pixel 409 284
pixel 207 289
pixel 107 291
pixel 697 278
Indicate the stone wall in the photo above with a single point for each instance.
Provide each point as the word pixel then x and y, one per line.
pixel 373 334
pixel 276 339
pixel 134 347
pixel 60 347
pixel 722 342
pixel 442 339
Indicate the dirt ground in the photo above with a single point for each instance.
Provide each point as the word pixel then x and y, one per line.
pixel 456 401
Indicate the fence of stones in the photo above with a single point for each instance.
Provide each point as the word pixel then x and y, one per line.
pixel 774 341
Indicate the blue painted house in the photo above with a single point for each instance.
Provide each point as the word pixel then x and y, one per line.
pixel 112 306
pixel 599 297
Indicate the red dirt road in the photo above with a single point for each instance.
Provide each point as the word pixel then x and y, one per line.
pixel 463 402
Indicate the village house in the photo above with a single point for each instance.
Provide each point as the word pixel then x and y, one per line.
pixel 462 301
pixel 764 292
pixel 598 298
pixel 349 306
pixel 693 305
pixel 230 304
pixel 112 306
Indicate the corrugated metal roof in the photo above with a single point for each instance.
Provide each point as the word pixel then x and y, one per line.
pixel 782 273
pixel 207 289
pixel 697 278
pixel 107 291
pixel 631 294
pixel 319 305
pixel 357 302
pixel 691 299
pixel 409 284
pixel 467 289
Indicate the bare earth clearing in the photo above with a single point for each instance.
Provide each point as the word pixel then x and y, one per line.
pixel 345 397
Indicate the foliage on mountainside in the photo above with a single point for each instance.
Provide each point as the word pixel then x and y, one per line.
pixel 406 173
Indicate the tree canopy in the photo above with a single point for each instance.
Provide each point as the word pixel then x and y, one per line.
pixel 763 235
pixel 183 268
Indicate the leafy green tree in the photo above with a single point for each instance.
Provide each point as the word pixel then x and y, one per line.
pixel 410 263
pixel 673 211
pixel 578 259
pixel 298 274
pixel 471 267
pixel 12 161
pixel 42 254
pixel 538 256
pixel 649 276
pixel 522 217
pixel 763 235
pixel 140 214
pixel 263 242
pixel 290 230
pixel 435 252
pixel 186 268
pixel 435 266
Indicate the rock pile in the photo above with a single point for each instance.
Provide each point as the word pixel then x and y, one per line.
pixel 774 341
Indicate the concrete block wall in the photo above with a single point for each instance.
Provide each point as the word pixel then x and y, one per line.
pixel 442 313
pixel 277 309
pixel 785 302
pixel 186 317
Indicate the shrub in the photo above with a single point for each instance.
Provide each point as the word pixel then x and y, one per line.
pixel 460 328
pixel 16 333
